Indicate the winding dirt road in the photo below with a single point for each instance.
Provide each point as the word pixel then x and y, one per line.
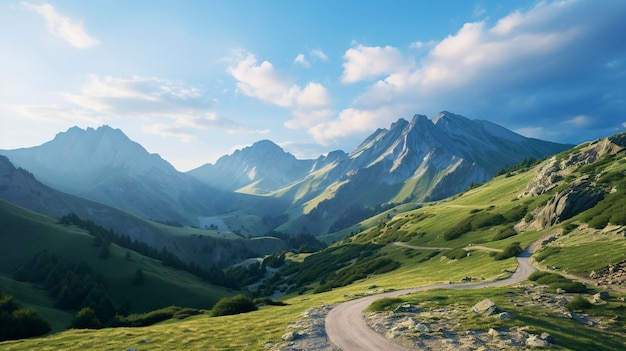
pixel 347 329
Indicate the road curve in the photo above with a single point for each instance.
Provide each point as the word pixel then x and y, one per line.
pixel 347 329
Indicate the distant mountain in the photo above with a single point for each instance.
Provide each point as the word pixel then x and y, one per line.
pixel 21 188
pixel 104 165
pixel 420 160
pixel 412 161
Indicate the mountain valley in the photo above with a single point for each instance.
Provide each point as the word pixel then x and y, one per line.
pixel 447 200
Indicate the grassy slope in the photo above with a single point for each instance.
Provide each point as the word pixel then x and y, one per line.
pixel 421 227
pixel 25 233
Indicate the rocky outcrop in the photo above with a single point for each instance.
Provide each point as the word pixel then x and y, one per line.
pixel 613 274
pixel 564 205
pixel 556 169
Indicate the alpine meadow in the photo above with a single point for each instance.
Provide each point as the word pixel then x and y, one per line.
pixel 285 176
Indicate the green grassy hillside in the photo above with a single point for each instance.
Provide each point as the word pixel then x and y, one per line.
pixel 24 234
pixel 448 241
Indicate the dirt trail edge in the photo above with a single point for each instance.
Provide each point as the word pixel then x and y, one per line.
pixel 347 329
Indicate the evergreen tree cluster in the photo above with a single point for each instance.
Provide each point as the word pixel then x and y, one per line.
pixel 74 286
pixel 102 236
pixel 17 322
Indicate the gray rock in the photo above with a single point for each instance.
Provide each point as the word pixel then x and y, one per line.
pixel 601 296
pixel 547 337
pixel 486 307
pixel 421 327
pixel 291 336
pixel 505 315
pixel 536 341
pixel 407 308
pixel 494 333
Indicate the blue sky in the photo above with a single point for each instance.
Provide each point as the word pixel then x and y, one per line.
pixel 195 80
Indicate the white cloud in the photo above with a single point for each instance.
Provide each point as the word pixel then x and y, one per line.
pixel 319 54
pixel 528 64
pixel 579 121
pixel 365 62
pixel 354 120
pixel 264 82
pixel 182 108
pixel 300 59
pixel 64 27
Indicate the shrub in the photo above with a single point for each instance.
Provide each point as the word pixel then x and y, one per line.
pixel 570 286
pixel 233 305
pixel 599 222
pixel 512 250
pixel 17 322
pixel 545 252
pixel 456 254
pixel 504 233
pixel 153 317
pixel 579 303
pixel 557 281
pixel 86 319
pixel 385 304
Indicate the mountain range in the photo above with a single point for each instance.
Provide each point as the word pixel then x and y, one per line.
pixel 413 161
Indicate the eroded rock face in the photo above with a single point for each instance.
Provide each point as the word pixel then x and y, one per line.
pixel 568 203
pixel 550 173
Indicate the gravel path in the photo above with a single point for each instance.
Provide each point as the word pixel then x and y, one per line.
pixel 347 329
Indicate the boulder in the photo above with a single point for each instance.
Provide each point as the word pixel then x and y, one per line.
pixel 536 341
pixel 291 336
pixel 421 327
pixel 601 296
pixel 486 307
pixel 505 315
pixel 407 308
pixel 494 333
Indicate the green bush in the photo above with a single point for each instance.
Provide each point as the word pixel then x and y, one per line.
pixel 545 252
pixel 86 319
pixel 557 281
pixel 233 305
pixel 512 250
pixel 17 322
pixel 599 222
pixel 579 303
pixel 504 233
pixel 153 317
pixel 385 304
pixel 570 286
pixel 456 254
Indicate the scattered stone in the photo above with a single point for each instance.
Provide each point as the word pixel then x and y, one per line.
pixel 560 291
pixel 505 315
pixel 536 341
pixel 486 307
pixel 466 279
pixel 547 337
pixel 494 333
pixel 291 336
pixel 601 296
pixel 421 327
pixel 407 308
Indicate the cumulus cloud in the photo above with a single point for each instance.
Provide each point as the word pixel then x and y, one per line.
pixel 63 27
pixel 309 105
pixel 556 59
pixel 182 107
pixel 368 62
pixel 301 60
pixel 319 54
pixel 579 121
